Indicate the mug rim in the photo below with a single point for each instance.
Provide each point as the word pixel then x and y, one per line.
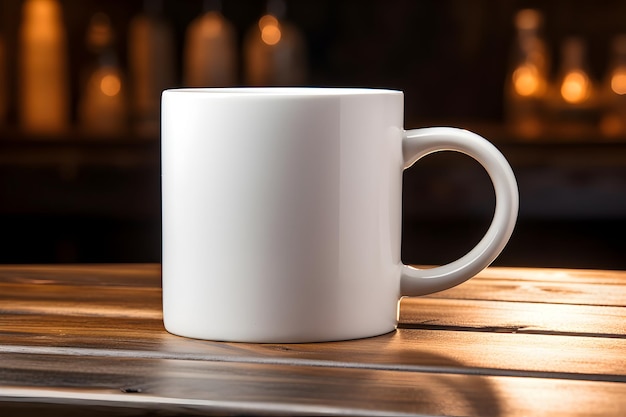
pixel 283 91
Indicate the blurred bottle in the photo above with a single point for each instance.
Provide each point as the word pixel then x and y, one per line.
pixel 573 104
pixel 613 123
pixel 102 108
pixel 274 50
pixel 574 83
pixel 527 82
pixel 4 94
pixel 151 65
pixel 43 91
pixel 210 49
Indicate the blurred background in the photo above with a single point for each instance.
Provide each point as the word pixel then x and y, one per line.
pixel 80 84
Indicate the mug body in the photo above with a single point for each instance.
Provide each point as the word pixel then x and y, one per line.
pixel 281 213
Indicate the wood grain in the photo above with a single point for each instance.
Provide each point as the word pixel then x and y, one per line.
pixel 589 293
pixel 574 276
pixel 101 275
pixel 89 339
pixel 406 349
pixel 513 317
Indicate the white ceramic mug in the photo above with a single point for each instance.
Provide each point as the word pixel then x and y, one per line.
pixel 282 212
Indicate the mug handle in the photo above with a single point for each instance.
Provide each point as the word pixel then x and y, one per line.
pixel 418 143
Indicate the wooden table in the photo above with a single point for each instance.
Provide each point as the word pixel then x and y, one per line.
pixel 88 340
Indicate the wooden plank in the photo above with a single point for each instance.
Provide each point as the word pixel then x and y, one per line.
pixel 84 300
pixel 513 317
pixel 543 285
pixel 190 386
pixel 554 275
pixel 607 288
pixel 145 302
pixel 600 294
pixel 93 336
pixel 546 285
pixel 116 275
pixel 407 349
pixel 82 290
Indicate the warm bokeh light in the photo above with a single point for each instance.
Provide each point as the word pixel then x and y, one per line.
pixel 575 87
pixel 43 89
pixel 618 81
pixel 270 29
pixel 528 19
pixel 266 20
pixel 110 85
pixel 526 80
pixel 44 18
pixel 212 24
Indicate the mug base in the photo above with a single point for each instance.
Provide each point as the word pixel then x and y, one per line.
pixel 278 339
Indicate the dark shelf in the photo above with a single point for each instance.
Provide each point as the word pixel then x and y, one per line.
pixel 80 198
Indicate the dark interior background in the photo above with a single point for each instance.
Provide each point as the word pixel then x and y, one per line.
pixel 77 198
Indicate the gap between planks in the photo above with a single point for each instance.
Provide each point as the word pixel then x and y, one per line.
pixel 505 329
